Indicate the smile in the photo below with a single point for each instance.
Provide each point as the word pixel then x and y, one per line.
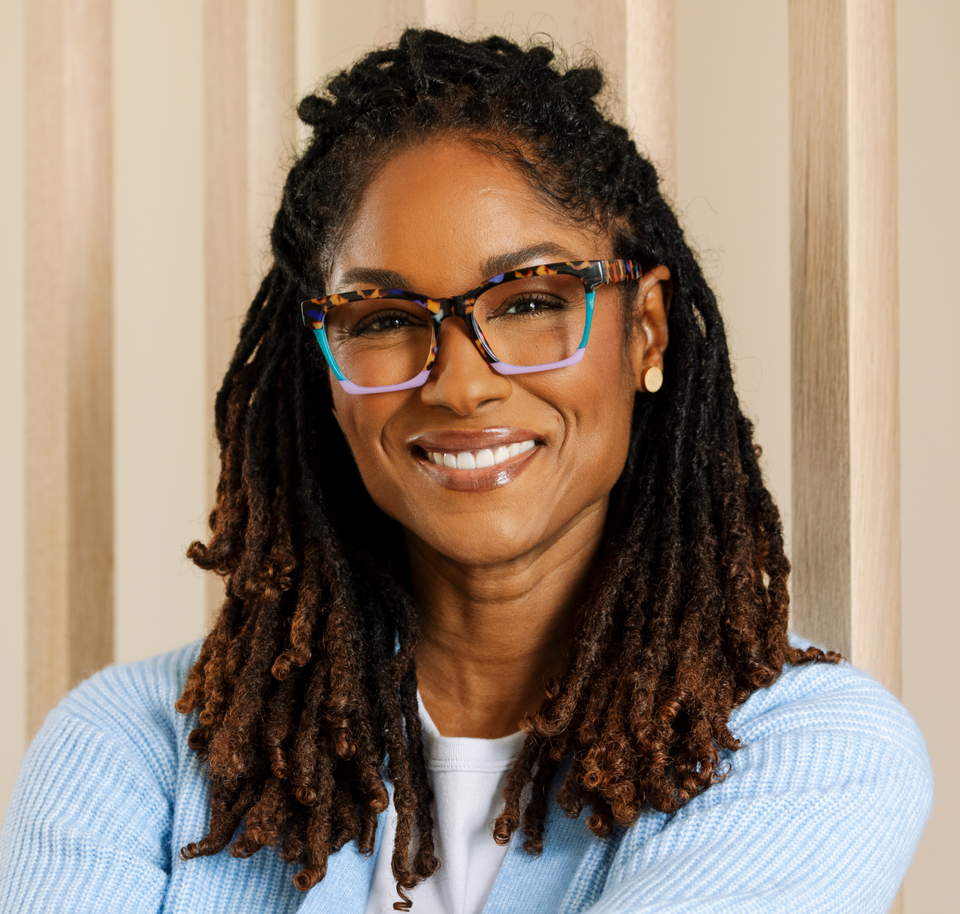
pixel 482 459
pixel 479 460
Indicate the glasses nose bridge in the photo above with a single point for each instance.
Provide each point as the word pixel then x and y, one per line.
pixel 460 306
pixel 455 306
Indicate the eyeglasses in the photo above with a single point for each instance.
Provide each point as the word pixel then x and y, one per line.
pixel 534 319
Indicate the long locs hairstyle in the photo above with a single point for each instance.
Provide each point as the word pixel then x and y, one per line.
pixel 305 690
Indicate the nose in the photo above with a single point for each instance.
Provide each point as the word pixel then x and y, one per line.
pixel 461 379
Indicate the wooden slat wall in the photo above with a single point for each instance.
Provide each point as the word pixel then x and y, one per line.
pixel 249 73
pixel 874 335
pixel 844 290
pixel 68 261
pixel 845 332
pixel 453 15
pixel 846 449
pixel 636 40
pixel 846 513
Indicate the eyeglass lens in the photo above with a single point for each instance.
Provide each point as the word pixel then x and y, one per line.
pixel 529 321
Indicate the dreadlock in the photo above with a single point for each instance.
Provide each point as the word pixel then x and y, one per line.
pixel 306 687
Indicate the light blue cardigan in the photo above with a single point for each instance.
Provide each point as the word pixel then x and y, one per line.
pixel 821 811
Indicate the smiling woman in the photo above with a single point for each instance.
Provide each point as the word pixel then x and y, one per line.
pixel 498 603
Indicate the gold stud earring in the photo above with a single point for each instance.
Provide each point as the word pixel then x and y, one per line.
pixel 651 379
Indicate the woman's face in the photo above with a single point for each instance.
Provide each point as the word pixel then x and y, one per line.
pixel 443 217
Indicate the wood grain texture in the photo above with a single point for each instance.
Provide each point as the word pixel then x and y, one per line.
pixel 69 377
pixel 249 133
pixel 455 16
pixel 636 42
pixel 874 325
pixel 846 511
pixel 819 235
pixel 650 81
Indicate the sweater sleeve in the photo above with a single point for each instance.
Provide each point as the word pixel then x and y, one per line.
pixel 89 825
pixel 821 810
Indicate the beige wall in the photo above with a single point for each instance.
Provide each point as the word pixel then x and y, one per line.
pixel 929 107
pixel 12 552
pixel 732 190
pixel 159 324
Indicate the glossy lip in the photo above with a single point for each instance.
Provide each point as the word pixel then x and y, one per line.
pixel 486 479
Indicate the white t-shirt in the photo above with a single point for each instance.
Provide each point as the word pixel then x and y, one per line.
pixel 468 777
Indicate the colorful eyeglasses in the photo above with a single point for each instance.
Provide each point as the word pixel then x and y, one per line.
pixel 534 319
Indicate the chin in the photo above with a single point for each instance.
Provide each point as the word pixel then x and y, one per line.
pixel 473 544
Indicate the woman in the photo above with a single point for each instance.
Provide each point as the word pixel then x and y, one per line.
pixel 506 613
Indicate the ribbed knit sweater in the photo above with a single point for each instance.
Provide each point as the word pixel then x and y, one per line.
pixel 821 812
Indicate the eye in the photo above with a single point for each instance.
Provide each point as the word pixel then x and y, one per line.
pixel 530 305
pixel 385 322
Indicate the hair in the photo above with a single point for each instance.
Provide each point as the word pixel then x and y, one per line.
pixel 307 687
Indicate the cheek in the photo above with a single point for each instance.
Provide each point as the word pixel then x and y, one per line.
pixel 360 423
pixel 607 415
pixel 364 421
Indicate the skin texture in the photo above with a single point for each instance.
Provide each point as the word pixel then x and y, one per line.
pixel 497 573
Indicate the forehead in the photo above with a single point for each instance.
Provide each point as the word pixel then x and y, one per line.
pixel 438 212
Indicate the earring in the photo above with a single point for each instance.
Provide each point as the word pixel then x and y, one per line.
pixel 651 379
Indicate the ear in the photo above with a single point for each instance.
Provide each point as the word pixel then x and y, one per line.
pixel 650 333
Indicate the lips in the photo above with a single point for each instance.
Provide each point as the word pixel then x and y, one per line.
pixel 475 461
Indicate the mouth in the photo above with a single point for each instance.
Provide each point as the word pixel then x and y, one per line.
pixel 476 461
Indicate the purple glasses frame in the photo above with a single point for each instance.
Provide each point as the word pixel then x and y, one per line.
pixel 593 273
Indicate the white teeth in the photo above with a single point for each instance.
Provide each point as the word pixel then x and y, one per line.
pixel 484 459
pixel 479 460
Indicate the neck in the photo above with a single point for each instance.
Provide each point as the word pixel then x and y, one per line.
pixel 492 637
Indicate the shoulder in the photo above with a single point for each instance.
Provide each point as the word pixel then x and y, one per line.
pixel 119 723
pixel 831 788
pixel 93 805
pixel 131 705
pixel 837 702
pixel 139 690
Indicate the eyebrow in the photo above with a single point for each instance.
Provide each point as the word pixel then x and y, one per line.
pixel 503 263
pixel 374 278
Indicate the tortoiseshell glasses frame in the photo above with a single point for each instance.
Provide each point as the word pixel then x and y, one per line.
pixel 592 273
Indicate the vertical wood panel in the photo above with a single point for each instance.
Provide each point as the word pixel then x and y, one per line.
pixel 636 41
pixel 451 15
pixel 250 71
pixel 69 470
pixel 650 81
pixel 874 334
pixel 845 329
pixel 819 239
